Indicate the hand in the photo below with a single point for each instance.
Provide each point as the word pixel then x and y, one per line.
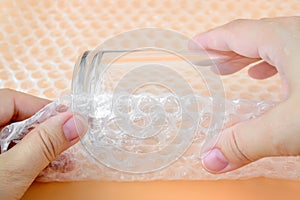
pixel 21 164
pixel 277 43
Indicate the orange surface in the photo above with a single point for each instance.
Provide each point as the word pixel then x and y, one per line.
pixel 39 44
pixel 243 189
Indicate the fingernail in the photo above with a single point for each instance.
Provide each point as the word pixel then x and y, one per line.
pixel 74 127
pixel 215 161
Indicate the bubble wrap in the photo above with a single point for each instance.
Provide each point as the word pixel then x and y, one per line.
pixel 143 131
pixel 79 162
pixel 40 44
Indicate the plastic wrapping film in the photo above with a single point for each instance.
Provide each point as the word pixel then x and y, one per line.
pixel 39 45
pixel 79 162
pixel 148 119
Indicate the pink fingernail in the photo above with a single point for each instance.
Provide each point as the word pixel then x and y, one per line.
pixel 74 127
pixel 215 161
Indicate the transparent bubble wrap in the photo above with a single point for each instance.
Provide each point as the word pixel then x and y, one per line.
pixel 153 133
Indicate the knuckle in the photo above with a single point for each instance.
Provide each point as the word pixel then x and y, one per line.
pixel 280 27
pixel 237 149
pixel 237 22
pixel 231 28
pixel 48 144
pixel 269 24
pixel 233 24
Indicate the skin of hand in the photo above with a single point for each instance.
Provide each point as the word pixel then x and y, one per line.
pixel 20 165
pixel 276 42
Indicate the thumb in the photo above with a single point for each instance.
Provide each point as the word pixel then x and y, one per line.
pixel 44 143
pixel 272 134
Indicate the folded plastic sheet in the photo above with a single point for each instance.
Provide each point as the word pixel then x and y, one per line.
pixel 39 62
pixel 147 121
pixel 114 151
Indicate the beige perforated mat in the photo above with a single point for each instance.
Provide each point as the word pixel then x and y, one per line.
pixel 41 40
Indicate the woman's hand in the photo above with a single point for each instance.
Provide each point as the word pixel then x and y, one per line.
pixel 277 133
pixel 21 164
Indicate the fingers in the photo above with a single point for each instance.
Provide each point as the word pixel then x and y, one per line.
pixel 249 38
pixel 16 106
pixel 24 161
pixel 272 134
pixel 225 62
pixel 43 144
pixel 275 41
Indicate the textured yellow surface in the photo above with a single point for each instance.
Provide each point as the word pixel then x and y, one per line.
pixel 40 41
